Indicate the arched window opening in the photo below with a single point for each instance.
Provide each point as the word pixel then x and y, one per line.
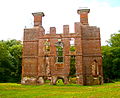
pixel 47 45
pixel 95 70
pixel 72 44
pixel 59 51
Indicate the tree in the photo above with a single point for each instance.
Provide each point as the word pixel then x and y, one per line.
pixel 114 41
pixel 10 60
pixel 5 63
pixel 16 53
pixel 111 58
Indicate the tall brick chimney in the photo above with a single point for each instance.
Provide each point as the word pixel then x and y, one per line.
pixel 83 15
pixel 38 18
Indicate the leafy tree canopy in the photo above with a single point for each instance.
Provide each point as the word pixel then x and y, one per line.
pixel 111 58
pixel 114 41
pixel 10 60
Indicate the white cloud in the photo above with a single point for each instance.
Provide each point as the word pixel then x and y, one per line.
pixel 107 19
pixel 16 14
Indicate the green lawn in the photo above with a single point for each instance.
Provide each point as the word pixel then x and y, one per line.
pixel 12 90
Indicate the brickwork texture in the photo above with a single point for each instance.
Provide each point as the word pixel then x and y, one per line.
pixel 41 59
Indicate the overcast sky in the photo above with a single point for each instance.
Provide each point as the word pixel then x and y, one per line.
pixel 15 15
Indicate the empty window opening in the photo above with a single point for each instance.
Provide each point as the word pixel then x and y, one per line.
pixel 72 66
pixel 47 45
pixel 72 74
pixel 59 51
pixel 59 39
pixel 72 44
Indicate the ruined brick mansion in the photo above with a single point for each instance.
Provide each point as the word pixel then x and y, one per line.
pixel 48 56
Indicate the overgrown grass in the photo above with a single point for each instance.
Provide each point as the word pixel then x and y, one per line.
pixel 12 90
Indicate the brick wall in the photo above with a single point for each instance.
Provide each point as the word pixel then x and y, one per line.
pixel 37 62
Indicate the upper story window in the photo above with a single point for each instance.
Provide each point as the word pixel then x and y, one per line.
pixel 59 51
pixel 47 45
pixel 72 44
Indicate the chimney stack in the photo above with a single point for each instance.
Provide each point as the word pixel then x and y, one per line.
pixel 38 18
pixel 83 15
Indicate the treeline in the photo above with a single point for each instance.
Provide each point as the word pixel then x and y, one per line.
pixel 11 58
pixel 111 58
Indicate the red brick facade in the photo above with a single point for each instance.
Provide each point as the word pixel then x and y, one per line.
pixel 41 59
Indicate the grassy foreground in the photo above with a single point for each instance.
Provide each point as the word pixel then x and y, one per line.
pixel 12 90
